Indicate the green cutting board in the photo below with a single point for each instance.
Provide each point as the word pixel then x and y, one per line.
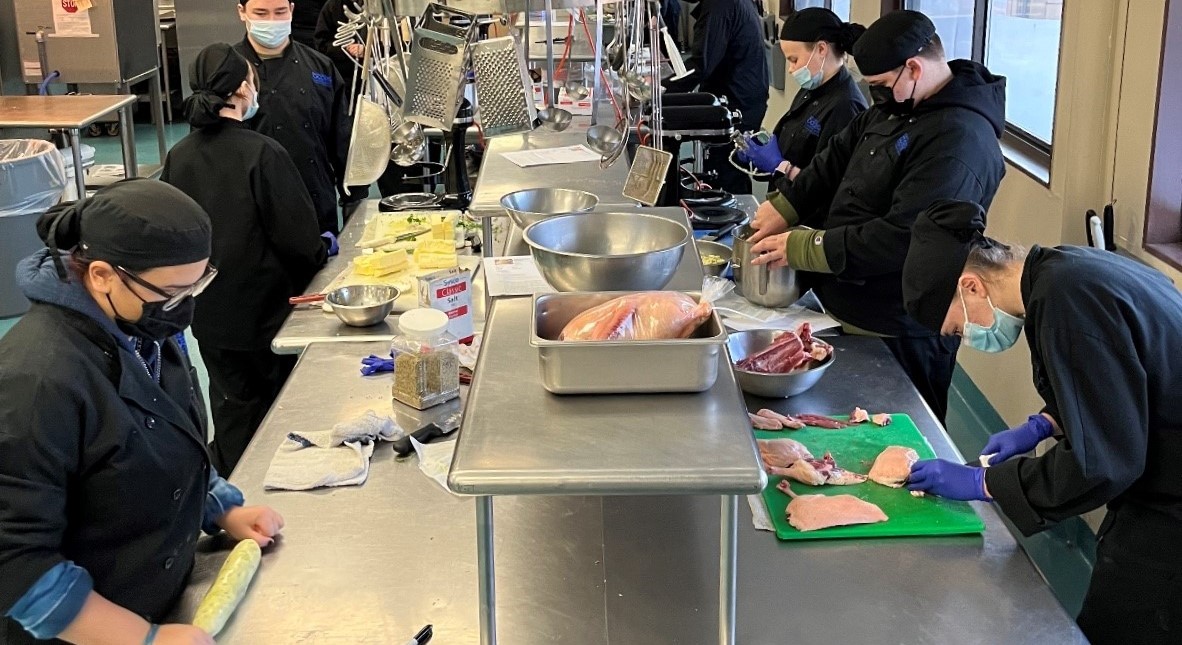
pixel 855 449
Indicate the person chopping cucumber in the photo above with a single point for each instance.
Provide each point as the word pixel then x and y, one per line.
pixel 1105 334
pixel 105 478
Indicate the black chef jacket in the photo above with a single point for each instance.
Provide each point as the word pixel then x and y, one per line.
pixel 1105 336
pixel 98 464
pixel 304 105
pixel 867 186
pixel 266 241
pixel 303 21
pixel 729 58
pixel 331 15
pixel 816 116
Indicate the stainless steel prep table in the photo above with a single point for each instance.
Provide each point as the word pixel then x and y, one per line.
pixel 307 325
pixel 518 439
pixel 372 564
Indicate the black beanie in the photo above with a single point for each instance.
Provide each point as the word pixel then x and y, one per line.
pixel 891 40
pixel 216 73
pixel 815 23
pixel 941 239
pixel 138 224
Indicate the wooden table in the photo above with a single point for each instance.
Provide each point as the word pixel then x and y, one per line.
pixel 72 114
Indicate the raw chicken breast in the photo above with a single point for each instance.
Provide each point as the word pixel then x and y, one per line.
pixel 892 467
pixel 649 315
pixel 764 423
pixel 790 422
pixel 813 512
pixel 781 453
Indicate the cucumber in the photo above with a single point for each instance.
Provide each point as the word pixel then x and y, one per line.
pixel 229 587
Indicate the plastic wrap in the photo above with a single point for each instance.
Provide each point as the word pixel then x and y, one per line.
pixel 648 315
pixel 32 176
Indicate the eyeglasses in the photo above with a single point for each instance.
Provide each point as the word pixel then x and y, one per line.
pixel 171 299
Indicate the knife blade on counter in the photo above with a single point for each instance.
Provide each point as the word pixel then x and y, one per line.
pixel 426 434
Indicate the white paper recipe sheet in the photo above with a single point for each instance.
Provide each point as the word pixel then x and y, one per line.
pixel 514 276
pixel 551 156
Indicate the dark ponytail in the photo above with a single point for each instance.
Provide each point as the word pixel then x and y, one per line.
pixel 203 108
pixel 215 75
pixel 61 229
pixel 846 36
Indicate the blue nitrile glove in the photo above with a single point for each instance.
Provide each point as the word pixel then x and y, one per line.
pixel 1016 441
pixel 372 364
pixel 766 157
pixel 948 480
pixel 741 157
pixel 334 247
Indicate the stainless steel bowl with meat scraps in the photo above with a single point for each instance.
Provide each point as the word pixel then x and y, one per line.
pixel 607 251
pixel 362 305
pixel 777 363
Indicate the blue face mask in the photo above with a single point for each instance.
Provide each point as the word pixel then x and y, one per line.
pixel 270 33
pixel 253 109
pixel 998 337
pixel 805 77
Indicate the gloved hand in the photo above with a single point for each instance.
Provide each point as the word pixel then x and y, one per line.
pixel 1016 441
pixel 948 480
pixel 765 157
pixel 372 364
pixel 334 246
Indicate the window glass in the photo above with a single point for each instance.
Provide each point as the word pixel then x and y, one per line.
pixel 954 23
pixel 1022 44
pixel 842 9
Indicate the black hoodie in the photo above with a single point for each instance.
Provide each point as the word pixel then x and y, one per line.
pixel 871 181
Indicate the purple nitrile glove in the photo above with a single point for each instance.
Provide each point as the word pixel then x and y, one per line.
pixel 766 157
pixel 334 247
pixel 1016 441
pixel 948 480
pixel 372 364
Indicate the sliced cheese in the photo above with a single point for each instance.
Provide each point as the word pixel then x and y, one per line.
pixel 381 264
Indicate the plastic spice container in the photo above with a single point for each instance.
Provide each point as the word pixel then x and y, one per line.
pixel 426 366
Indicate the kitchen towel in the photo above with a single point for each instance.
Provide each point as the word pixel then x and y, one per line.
pixel 336 457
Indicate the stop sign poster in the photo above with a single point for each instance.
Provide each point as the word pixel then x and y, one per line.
pixel 71 18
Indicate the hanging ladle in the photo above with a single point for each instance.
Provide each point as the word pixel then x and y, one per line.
pixel 552 117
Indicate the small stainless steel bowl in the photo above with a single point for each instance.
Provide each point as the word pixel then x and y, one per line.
pixel 714 248
pixel 362 305
pixel 531 205
pixel 741 344
pixel 607 251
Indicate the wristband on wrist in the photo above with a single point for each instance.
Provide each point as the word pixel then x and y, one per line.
pixel 151 637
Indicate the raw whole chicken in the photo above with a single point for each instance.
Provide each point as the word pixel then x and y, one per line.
pixel 817 472
pixel 778 454
pixel 648 315
pixel 789 351
pixel 892 467
pixel 813 512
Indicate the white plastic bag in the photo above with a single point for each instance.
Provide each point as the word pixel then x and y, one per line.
pixel 32 176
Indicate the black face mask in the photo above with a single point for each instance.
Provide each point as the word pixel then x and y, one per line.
pixel 155 323
pixel 884 98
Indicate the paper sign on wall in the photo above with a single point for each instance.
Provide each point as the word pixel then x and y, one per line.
pixel 71 19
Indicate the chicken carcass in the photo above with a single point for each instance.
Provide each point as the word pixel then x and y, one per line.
pixel 814 512
pixel 892 467
pixel 785 421
pixel 648 315
pixel 817 472
pixel 791 350
pixel 778 454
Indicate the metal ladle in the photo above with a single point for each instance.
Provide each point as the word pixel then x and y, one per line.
pixel 552 117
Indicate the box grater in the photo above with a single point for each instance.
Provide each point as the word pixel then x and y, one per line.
pixel 647 175
pixel 438 67
pixel 503 90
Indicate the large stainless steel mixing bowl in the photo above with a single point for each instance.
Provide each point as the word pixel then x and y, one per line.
pixel 535 204
pixel 607 251
pixel 362 305
pixel 742 344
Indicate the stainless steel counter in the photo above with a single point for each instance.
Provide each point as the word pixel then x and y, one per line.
pixel 499 176
pixel 311 324
pixel 518 439
pixel 372 564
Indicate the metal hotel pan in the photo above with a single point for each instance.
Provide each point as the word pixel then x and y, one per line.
pixel 620 367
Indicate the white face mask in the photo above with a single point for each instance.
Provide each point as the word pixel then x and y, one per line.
pixel 269 33
pixel 805 76
pixel 998 337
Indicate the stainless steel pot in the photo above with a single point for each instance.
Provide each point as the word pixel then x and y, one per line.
pixel 759 284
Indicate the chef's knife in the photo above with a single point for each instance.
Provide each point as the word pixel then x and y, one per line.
pixel 426 434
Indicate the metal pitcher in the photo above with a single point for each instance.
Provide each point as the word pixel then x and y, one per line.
pixel 761 285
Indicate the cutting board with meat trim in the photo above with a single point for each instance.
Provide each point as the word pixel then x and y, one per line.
pixel 855 449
